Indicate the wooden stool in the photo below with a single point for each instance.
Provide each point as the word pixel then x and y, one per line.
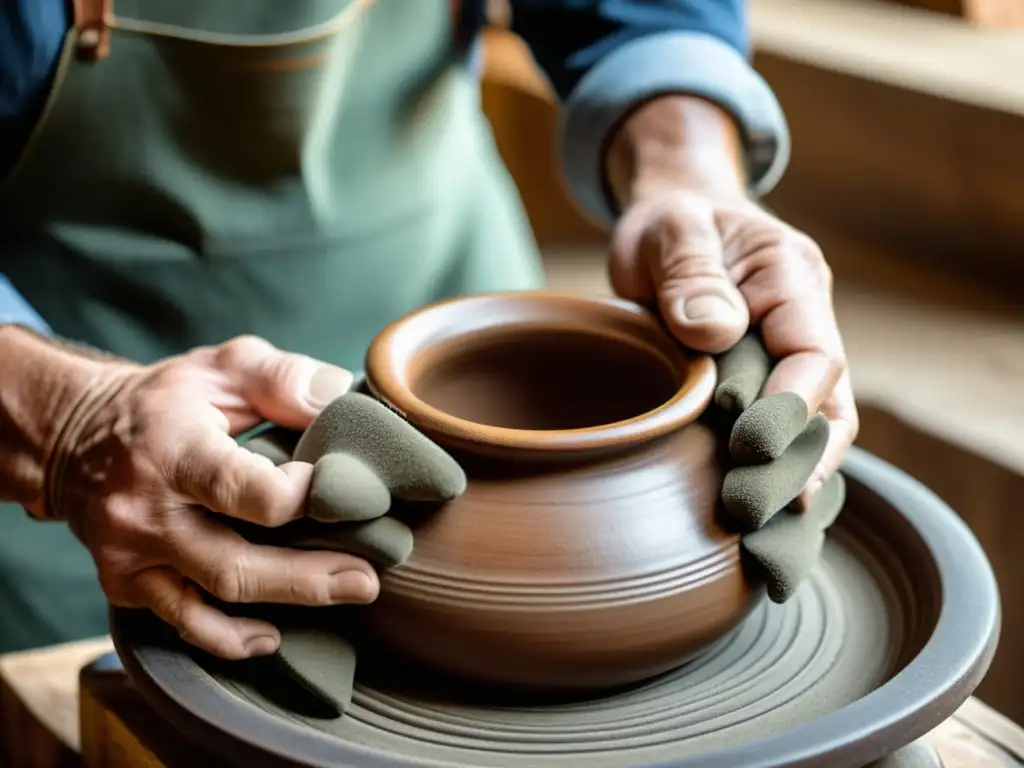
pixel 50 720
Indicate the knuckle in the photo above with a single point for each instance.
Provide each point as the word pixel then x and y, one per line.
pixel 803 244
pixel 124 522
pixel 229 581
pixel 310 590
pixel 183 617
pixel 254 490
pixel 270 490
pixel 242 349
pixel 836 362
pixel 279 376
pixel 687 262
pixel 191 455
pixel 120 516
pixel 808 254
pixel 169 375
pixel 239 483
pixel 226 487
pixel 681 209
pixel 792 258
pixel 172 605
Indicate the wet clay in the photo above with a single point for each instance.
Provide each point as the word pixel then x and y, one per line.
pixel 586 551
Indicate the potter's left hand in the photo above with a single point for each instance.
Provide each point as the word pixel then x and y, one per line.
pixel 691 242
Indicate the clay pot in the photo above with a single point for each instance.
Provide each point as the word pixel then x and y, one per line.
pixel 586 551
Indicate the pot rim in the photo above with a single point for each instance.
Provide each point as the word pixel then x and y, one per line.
pixel 394 360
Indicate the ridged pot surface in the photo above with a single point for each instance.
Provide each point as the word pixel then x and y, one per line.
pixel 586 551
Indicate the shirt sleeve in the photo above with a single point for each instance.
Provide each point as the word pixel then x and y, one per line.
pixel 606 57
pixel 14 309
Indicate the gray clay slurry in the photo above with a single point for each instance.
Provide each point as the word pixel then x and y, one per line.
pixel 837 640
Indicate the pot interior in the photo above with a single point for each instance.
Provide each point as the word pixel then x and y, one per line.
pixel 545 379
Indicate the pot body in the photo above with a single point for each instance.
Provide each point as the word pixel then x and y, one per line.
pixel 587 551
pixel 571 576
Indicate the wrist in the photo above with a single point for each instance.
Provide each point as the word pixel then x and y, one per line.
pixel 673 143
pixel 42 385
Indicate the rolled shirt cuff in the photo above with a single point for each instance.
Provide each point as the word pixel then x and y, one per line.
pixel 14 309
pixel 690 63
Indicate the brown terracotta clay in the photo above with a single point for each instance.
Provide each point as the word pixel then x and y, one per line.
pixel 586 551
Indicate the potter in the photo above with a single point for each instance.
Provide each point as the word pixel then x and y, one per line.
pixel 210 209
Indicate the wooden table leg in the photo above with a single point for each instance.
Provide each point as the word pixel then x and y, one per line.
pixel 39 704
pixel 119 730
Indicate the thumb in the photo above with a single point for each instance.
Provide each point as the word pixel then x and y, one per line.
pixel 285 388
pixel 680 249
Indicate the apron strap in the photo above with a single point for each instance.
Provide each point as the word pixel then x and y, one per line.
pixel 93 18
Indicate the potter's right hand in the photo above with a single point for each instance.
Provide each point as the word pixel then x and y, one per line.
pixel 141 453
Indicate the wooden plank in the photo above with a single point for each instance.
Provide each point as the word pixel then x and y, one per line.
pixel 959 746
pixel 986 13
pixel 901 47
pixel 106 741
pixel 120 730
pixel 908 130
pixel 39 709
pixel 996 727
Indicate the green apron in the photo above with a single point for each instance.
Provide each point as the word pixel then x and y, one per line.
pixel 303 170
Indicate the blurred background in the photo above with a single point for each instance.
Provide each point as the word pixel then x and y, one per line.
pixel 907 119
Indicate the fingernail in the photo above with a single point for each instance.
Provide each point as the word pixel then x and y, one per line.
pixel 705 309
pixel 261 645
pixel 353 587
pixel 813 486
pixel 327 385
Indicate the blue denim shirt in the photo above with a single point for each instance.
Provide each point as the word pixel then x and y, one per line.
pixel 603 57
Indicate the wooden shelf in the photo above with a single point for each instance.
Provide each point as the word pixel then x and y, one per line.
pixel 908 131
pixel 903 47
pixel 989 13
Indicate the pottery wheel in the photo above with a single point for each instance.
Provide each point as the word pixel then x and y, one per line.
pixel 865 658
pixel 837 640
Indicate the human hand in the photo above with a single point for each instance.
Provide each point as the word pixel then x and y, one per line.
pixel 691 243
pixel 368 462
pixel 146 453
pixel 365 458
